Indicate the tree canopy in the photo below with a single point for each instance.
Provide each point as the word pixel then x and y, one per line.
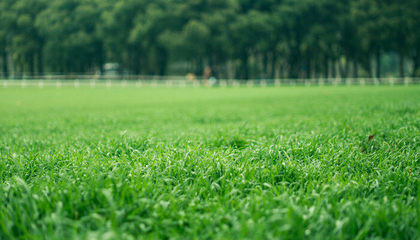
pixel 234 38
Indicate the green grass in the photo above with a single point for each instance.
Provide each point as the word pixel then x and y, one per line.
pixel 246 163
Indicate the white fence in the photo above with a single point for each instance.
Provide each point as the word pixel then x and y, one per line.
pixel 94 82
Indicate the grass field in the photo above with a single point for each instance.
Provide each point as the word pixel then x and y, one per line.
pixel 210 163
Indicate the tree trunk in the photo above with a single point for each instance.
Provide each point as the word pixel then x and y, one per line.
pixel 4 63
pixel 31 64
pixel 346 68
pixel 333 70
pixel 308 68
pixel 416 63
pixel 265 64
pixel 378 64
pixel 343 69
pixel 355 69
pixel 163 61
pixel 244 66
pixel 137 64
pixel 273 65
pixel 40 65
pixel 294 62
pixel 100 60
pixel 199 69
pixel 213 67
pixel 401 64
pixel 367 65
pixel 326 67
pixel 316 68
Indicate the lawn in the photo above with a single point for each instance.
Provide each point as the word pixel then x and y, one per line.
pixel 210 163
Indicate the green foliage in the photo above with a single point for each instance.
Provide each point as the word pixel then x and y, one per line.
pixel 72 43
pixel 245 163
pixel 235 38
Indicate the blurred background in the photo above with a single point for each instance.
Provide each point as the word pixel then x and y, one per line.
pixel 203 39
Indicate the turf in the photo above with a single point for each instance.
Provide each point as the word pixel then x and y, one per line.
pixel 210 163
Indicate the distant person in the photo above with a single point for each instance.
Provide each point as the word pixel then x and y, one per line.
pixel 191 77
pixel 207 73
pixel 212 81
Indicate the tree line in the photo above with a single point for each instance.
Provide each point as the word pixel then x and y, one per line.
pixel 234 38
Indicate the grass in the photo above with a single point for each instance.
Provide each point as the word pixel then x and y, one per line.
pixel 245 163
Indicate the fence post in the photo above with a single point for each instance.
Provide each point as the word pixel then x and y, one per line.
pixel 249 83
pixel 168 83
pixel 138 83
pixel 376 81
pixel 263 83
pixel 235 83
pixel 60 81
pixel 92 83
pixel 406 81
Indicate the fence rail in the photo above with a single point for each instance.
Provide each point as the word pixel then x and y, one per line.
pixel 93 81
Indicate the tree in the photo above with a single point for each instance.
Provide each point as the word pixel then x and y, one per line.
pixel 7 22
pixel 72 43
pixel 24 39
pixel 258 38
